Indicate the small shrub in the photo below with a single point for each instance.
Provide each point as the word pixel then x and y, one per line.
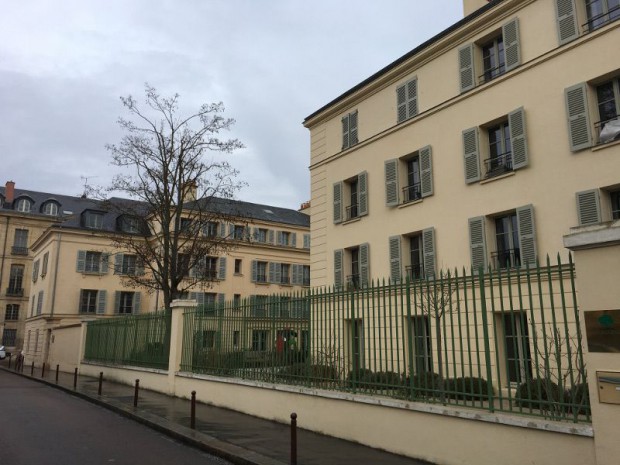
pixel 362 378
pixel 424 384
pixel 468 388
pixel 387 379
pixel 539 393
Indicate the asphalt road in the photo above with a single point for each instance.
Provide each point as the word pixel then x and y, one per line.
pixel 43 426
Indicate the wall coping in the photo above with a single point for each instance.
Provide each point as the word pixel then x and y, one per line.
pixel 445 410
pixel 593 236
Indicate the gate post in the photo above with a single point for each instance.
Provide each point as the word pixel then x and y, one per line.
pixel 176 340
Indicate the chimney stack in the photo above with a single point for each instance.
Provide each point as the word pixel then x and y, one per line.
pixel 9 192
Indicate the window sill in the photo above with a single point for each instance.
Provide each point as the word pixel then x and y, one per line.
pixel 495 178
pixel 238 274
pixel 93 273
pixel 286 285
pixel 352 220
pixel 408 204
pixel 262 283
pixel 597 147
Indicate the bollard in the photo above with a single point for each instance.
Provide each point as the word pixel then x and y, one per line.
pixel 192 423
pixel 100 382
pixel 75 374
pixel 10 361
pixel 32 369
pixel 43 370
pixel 135 394
pixel 293 438
pixel 57 368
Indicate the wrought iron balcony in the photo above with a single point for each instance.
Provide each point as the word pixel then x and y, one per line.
pixel 352 212
pixel 607 131
pixel 16 250
pixel 499 164
pixel 415 271
pixel 412 193
pixel 492 73
pixel 602 19
pixel 15 291
pixel 509 258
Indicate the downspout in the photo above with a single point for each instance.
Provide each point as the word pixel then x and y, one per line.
pixel 6 236
pixel 59 235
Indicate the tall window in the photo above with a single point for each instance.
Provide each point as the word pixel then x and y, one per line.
pixel 305 275
pixel 128 264
pixel 238 232
pixel 615 205
pixel 88 301
pixel 16 279
pixel 416 268
pixel 8 337
pixel 285 273
pixel 20 242
pixel 500 150
pixel 507 242
pixel 46 257
pixel 126 302
pixel 413 189
pixel 12 312
pixel 421 342
pixel 260 339
pixel 92 263
pixel 354 277
pixel 211 267
pixel 601 12
pixel 353 208
pixel 608 99
pixel 238 263
pixel 260 235
pixel 516 346
pixel 210 229
pixel 493 58
pixel 261 272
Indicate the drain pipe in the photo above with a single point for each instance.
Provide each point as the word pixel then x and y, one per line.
pixel 59 236
pixel 6 235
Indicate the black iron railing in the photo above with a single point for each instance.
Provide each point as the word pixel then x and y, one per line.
pixel 498 164
pixel 352 212
pixel 412 193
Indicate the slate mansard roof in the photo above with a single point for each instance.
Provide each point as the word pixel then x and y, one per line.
pixel 71 208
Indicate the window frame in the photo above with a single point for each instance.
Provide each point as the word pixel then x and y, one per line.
pixel 24 205
pixel 12 312
pixel 86 296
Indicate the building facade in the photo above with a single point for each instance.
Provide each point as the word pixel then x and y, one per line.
pixel 69 270
pixel 482 146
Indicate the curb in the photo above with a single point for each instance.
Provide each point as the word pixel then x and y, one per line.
pixel 225 450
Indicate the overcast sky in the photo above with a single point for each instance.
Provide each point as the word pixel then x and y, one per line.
pixel 64 64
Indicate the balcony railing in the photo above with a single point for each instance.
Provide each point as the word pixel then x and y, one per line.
pixel 608 130
pixel 412 193
pixel 415 271
pixel 492 73
pixel 352 212
pixel 499 164
pixel 15 291
pixel 509 258
pixel 353 281
pixel 17 250
pixel 602 19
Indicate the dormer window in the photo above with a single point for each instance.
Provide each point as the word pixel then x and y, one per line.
pixel 50 208
pixel 92 219
pixel 24 205
pixel 129 224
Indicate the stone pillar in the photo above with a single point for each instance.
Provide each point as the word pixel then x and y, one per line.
pixel 176 341
pixel 596 252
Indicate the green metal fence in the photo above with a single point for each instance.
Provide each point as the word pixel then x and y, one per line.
pixel 505 340
pixel 135 340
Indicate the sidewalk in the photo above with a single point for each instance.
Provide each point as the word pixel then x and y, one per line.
pixel 239 438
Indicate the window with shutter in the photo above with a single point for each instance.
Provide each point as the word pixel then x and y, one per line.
pixel 520 156
pixel 349 130
pixel 395 259
pixel 471 155
pixel 426 169
pixel 364 252
pixel 576 99
pixel 466 67
pixel 428 249
pixel 391 182
pixel 527 235
pixel 338 188
pixel 306 241
pixel 566 19
pixel 477 243
pixel 338 270
pixel 588 207
pixel 512 49
pixel 407 100
pixel 362 180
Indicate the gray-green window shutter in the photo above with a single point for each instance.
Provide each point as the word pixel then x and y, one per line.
pixel 518 138
pixel 272 272
pixel 527 235
pixel 40 303
pixel 401 103
pixel 466 67
pixel 254 270
pixel 428 251
pixel 471 154
pixel 231 230
pixel 101 301
pixel 345 132
pixel 271 235
pixel 362 183
pixel 255 234
pixel 512 49
pixel 391 182
pixel 222 229
pixel 477 243
pixel 426 171
pixel 407 100
pixel 293 239
pixel 338 271
pixel 566 17
pixel 81 261
pixel 395 259
pixel 136 303
pixel 306 241
pixel 117 301
pixel 578 117
pixel 118 263
pixel 277 272
pixel 222 270
pixel 353 128
pixel 105 260
pixel 588 207
pixel 364 264
pixel 338 190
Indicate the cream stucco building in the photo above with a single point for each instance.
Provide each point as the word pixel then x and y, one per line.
pixel 484 145
pixel 70 271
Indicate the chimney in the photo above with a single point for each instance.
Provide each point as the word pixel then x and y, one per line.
pixel 9 192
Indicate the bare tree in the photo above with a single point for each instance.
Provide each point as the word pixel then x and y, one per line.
pixel 181 198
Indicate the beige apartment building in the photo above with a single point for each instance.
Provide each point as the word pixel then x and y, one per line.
pixel 482 146
pixel 70 271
